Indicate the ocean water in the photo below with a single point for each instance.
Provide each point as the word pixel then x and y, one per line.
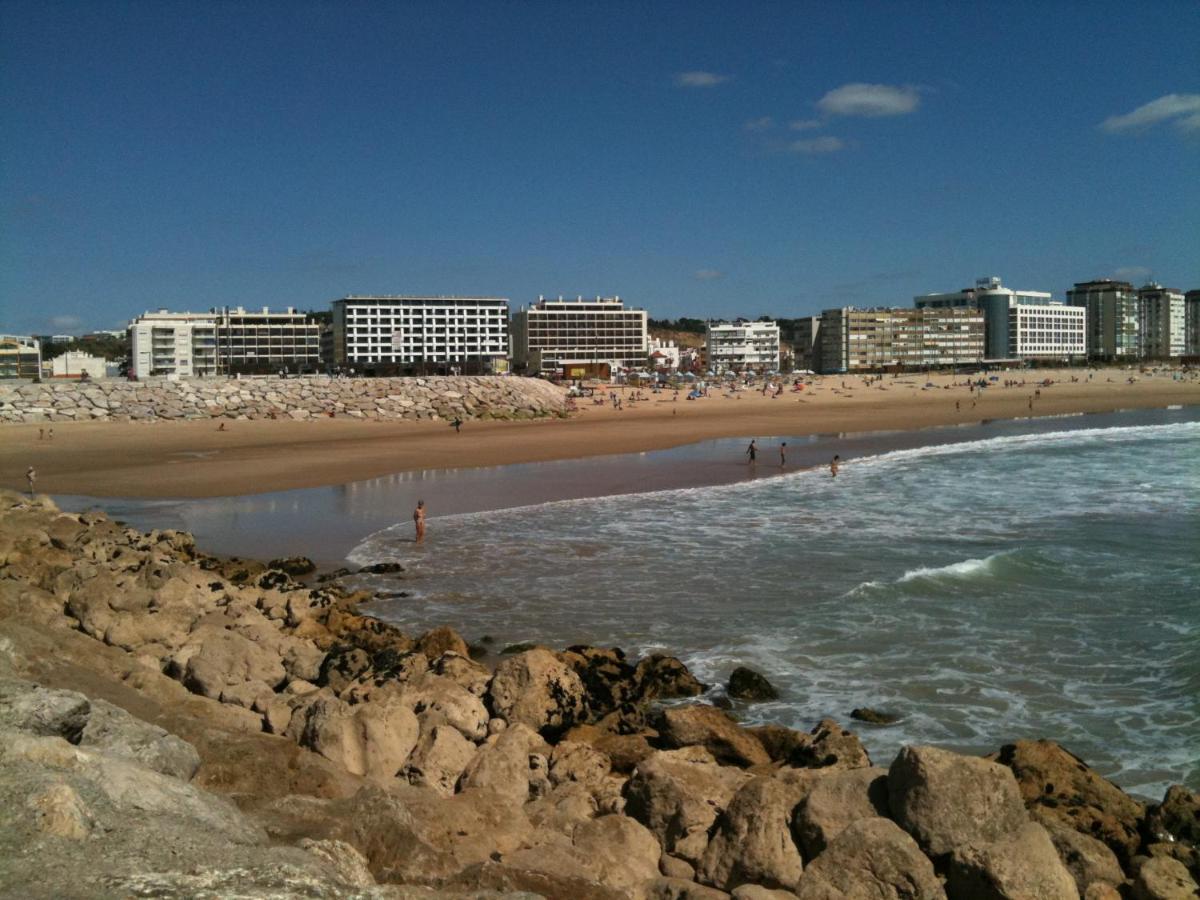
pixel 1021 586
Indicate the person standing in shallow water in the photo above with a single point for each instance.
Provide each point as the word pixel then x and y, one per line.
pixel 419 520
pixel 833 466
pixel 752 452
pixel 783 454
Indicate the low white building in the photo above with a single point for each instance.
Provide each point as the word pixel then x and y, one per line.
pixel 75 364
pixel 664 355
pixel 741 346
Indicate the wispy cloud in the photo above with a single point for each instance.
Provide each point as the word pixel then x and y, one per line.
pixel 764 123
pixel 1131 273
pixel 813 146
pixel 709 274
pixel 699 79
pixel 65 321
pixel 859 99
pixel 1182 109
pixel 805 124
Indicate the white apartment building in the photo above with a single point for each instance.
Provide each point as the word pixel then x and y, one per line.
pixel 1046 331
pixel 996 302
pixel 1162 322
pixel 409 334
pixel 75 364
pixel 580 338
pixel 664 355
pixel 222 341
pixel 173 344
pixel 740 346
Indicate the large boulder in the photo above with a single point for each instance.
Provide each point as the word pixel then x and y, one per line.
pixel 834 801
pixel 440 757
pixel 608 678
pixel 830 746
pixel 537 689
pixel 660 677
pixel 746 684
pixel 871 859
pixel 443 639
pixel 714 730
pixel 574 761
pixel 1021 865
pixel 112 730
pixel 623 853
pixel 509 765
pixel 1062 786
pixel 753 841
pixel 217 659
pixel 678 795
pixel 372 739
pixel 1162 878
pixel 1089 860
pixel 47 712
pixel 1177 818
pixel 440 700
pixel 946 800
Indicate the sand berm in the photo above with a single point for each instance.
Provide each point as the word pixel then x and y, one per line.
pixel 178 725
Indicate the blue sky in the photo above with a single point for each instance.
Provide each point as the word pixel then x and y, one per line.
pixel 706 159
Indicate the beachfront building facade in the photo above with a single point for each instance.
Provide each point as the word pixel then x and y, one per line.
pixel 226 341
pixel 1191 313
pixel 873 340
pixel 20 356
pixel 742 346
pixel 579 338
pixel 664 355
pixel 75 364
pixel 408 334
pixel 806 343
pixel 1112 317
pixel 1161 322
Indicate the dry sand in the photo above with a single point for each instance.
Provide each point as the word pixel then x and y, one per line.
pixel 194 459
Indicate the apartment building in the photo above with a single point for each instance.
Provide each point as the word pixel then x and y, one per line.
pixel 1012 319
pixel 1112 317
pixel 407 334
pixel 1047 331
pixel 1191 304
pixel 222 341
pixel 663 355
pixel 742 346
pixel 20 356
pixel 578 338
pixel 806 343
pixel 868 340
pixel 1162 322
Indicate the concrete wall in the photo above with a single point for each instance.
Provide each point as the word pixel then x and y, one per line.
pixel 491 397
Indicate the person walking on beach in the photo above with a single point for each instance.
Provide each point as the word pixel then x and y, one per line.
pixel 31 477
pixel 833 465
pixel 457 423
pixel 419 520
pixel 752 452
pixel 783 454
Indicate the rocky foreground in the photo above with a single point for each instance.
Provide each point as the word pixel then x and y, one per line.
pixel 172 724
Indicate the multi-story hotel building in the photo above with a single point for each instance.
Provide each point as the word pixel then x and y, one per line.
pixel 222 341
pixel 579 338
pixel 1162 322
pixel 866 340
pixel 20 356
pixel 742 346
pixel 1017 324
pixel 1112 317
pixel 1191 304
pixel 409 334
pixel 806 343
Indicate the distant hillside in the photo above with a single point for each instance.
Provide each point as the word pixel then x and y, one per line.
pixel 681 338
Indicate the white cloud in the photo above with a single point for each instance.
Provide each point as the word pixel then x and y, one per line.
pixel 812 146
pixel 1184 109
pixel 860 99
pixel 709 274
pixel 65 321
pixel 761 124
pixel 1131 273
pixel 805 124
pixel 699 79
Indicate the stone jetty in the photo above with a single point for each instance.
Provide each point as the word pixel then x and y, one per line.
pixel 304 397
pixel 174 724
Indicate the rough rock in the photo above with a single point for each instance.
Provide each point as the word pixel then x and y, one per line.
pixel 752 842
pixel 678 889
pixel 746 684
pixel 830 746
pixel 572 761
pixel 758 892
pixel 1177 818
pixel 443 639
pixel 41 711
pixel 713 729
pixel 1059 784
pixel 373 739
pixel 112 730
pixel 1087 859
pixel 660 677
pixel 217 660
pixel 1019 865
pixel 873 716
pixel 537 689
pixel 1163 878
pixel 506 765
pixel 60 811
pixel 946 800
pixel 834 801
pixel 440 757
pixel 871 859
pixel 678 795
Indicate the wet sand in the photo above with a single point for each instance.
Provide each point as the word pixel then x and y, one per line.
pixel 195 460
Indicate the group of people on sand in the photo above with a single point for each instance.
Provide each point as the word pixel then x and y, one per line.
pixel 752 455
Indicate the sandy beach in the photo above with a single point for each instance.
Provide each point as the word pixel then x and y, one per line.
pixel 193 459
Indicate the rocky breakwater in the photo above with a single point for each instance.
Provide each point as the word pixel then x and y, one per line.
pixel 172 724
pixel 308 397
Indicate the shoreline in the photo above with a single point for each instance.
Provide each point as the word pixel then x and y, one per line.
pixel 193 460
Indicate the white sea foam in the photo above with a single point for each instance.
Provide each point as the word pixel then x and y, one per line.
pixel 968 568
